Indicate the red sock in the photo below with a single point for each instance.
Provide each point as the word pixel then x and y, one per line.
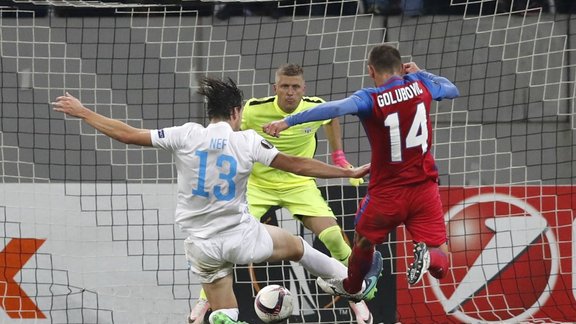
pixel 358 266
pixel 438 263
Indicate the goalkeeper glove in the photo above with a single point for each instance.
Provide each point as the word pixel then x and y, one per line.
pixel 339 159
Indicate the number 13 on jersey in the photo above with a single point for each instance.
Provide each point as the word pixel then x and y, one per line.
pixel 417 136
pixel 227 165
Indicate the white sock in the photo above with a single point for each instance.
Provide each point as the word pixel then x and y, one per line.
pixel 231 312
pixel 321 265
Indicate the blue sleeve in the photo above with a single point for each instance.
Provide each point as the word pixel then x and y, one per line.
pixel 439 87
pixel 323 111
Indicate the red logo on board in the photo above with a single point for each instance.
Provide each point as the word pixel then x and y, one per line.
pixel 510 258
pixel 13 299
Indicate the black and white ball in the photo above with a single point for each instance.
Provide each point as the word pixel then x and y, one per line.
pixel 273 304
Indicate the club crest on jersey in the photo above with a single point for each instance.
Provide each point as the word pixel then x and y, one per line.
pixel 266 144
pixel 161 133
pixel 307 130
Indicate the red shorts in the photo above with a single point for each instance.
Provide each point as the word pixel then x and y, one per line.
pixel 416 206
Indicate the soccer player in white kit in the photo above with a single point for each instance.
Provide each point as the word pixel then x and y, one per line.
pixel 213 165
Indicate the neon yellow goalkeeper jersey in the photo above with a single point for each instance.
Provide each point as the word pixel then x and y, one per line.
pixel 297 140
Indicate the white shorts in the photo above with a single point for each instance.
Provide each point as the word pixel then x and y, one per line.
pixel 214 258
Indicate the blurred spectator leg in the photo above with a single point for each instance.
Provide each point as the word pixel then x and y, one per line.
pixel 382 7
pixel 230 9
pixel 389 7
pixel 368 6
pixel 413 8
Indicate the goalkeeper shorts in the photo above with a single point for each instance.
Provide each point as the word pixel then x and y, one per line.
pixel 305 200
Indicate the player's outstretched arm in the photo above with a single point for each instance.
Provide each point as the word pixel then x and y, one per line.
pixel 411 67
pixel 440 87
pixel 326 110
pixel 314 168
pixel 334 135
pixel 274 128
pixel 113 128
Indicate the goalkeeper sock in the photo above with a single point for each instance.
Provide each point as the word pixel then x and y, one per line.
pixel 334 241
pixel 360 263
pixel 438 263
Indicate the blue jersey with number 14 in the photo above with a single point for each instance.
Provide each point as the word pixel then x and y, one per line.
pixel 396 118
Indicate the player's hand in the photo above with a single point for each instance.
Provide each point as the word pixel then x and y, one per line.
pixel 274 128
pixel 359 172
pixel 356 182
pixel 69 105
pixel 339 159
pixel 411 67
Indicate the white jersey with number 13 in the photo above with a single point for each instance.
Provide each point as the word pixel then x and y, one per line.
pixel 213 165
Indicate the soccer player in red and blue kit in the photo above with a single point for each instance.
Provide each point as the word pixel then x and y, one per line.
pixel 403 186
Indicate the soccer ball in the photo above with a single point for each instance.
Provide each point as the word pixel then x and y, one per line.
pixel 273 304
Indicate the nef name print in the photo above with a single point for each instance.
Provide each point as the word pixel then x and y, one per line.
pixel 399 94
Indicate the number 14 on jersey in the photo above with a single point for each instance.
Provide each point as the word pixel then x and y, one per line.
pixel 417 136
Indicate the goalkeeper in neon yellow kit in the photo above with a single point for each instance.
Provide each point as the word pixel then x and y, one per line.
pixel 268 187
